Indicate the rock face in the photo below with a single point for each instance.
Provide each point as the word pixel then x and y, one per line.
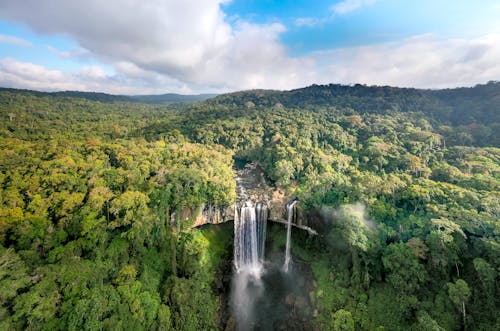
pixel 252 184
pixel 210 214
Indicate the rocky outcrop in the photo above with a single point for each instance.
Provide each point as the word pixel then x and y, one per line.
pixel 210 214
pixel 252 184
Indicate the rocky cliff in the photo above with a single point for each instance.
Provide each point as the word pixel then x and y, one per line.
pixel 252 184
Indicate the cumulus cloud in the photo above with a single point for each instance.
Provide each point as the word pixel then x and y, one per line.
pixel 188 41
pixel 19 74
pixel 14 40
pixel 347 6
pixel 166 35
pixel 189 46
pixel 254 59
pixel 421 61
pixel 26 75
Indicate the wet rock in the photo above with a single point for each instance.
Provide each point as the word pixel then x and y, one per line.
pixel 219 285
pixel 231 324
pixel 301 282
pixel 252 184
pixel 283 327
pixel 312 296
pixel 300 303
pixel 290 299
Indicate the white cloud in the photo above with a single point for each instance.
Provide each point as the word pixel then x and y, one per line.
pixel 26 75
pixel 347 6
pixel 186 41
pixel 421 61
pixel 167 36
pixel 188 46
pixel 75 53
pixel 254 59
pixel 309 21
pixel 19 74
pixel 14 40
pixel 340 8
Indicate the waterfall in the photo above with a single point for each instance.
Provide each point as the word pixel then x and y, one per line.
pixel 249 248
pixel 261 211
pixel 289 209
pixel 249 236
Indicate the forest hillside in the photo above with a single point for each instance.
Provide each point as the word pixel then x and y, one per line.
pixel 403 185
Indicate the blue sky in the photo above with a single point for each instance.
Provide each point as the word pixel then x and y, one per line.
pixel 218 45
pixel 372 22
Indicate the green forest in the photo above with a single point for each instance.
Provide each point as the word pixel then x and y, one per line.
pixel 403 186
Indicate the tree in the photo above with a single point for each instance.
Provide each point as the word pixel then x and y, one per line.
pixel 13 278
pixel 353 227
pixel 164 321
pixel 442 243
pixel 41 303
pixel 342 320
pixel 127 208
pixel 486 272
pixel 284 172
pixel 459 294
pixel 425 322
pixel 405 273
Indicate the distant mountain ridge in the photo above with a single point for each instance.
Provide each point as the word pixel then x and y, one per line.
pixel 172 97
pixel 457 106
pixel 104 97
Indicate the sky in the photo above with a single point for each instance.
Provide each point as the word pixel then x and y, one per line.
pixel 216 46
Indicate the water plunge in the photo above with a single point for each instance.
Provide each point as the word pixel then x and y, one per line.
pixel 289 210
pixel 264 296
pixel 249 236
pixel 249 249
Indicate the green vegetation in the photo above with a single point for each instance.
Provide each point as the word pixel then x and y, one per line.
pixel 90 222
pixel 97 200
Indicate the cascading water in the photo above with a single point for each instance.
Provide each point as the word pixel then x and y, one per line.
pixel 250 223
pixel 249 236
pixel 261 213
pixel 263 296
pixel 289 210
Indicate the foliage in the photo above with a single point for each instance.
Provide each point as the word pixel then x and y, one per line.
pixel 402 184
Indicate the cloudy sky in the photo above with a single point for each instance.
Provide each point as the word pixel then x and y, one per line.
pixel 197 46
